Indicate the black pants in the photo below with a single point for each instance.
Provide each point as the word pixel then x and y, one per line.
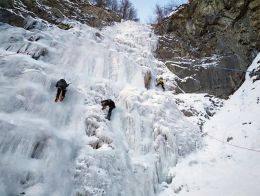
pixel 162 84
pixel 109 113
pixel 163 87
pixel 62 91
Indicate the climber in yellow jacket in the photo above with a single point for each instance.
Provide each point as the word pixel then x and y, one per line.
pixel 159 81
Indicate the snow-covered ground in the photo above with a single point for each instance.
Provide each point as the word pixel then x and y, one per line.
pixel 69 148
pixel 229 163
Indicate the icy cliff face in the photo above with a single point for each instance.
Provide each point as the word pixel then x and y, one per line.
pixel 69 148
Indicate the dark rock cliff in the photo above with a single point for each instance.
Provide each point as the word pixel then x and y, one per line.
pixel 212 37
pixel 15 12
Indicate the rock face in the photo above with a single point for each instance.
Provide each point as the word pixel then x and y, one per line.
pixel 255 74
pixel 208 31
pixel 206 106
pixel 55 11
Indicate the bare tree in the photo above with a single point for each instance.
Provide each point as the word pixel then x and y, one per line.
pixel 127 10
pixel 162 11
pixel 170 7
pixel 100 3
pixel 114 5
pixel 132 14
pixel 159 13
pixel 124 8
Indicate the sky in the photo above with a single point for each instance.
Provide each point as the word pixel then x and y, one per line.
pixel 145 8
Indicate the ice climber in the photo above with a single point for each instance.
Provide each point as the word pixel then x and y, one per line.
pixel 61 89
pixel 111 106
pixel 159 81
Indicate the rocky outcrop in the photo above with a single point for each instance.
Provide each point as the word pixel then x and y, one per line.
pixel 147 77
pixel 207 75
pixel 255 74
pixel 204 29
pixel 206 106
pixel 56 12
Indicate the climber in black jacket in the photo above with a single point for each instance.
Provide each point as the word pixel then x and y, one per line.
pixel 61 89
pixel 111 106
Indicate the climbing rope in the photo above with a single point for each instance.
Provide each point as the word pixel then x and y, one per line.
pixel 222 68
pixel 7 55
pixel 230 69
pixel 4 55
pixel 235 146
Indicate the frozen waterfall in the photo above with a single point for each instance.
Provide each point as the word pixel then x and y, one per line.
pixel 69 148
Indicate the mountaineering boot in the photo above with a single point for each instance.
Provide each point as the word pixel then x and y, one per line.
pixel 61 98
pixel 61 86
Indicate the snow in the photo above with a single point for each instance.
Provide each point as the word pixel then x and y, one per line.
pixel 222 169
pixel 149 148
pixel 198 108
pixel 69 148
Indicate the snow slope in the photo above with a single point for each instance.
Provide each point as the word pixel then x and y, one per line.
pixel 220 168
pixel 68 148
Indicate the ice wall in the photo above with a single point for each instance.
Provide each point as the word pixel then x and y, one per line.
pixel 69 148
